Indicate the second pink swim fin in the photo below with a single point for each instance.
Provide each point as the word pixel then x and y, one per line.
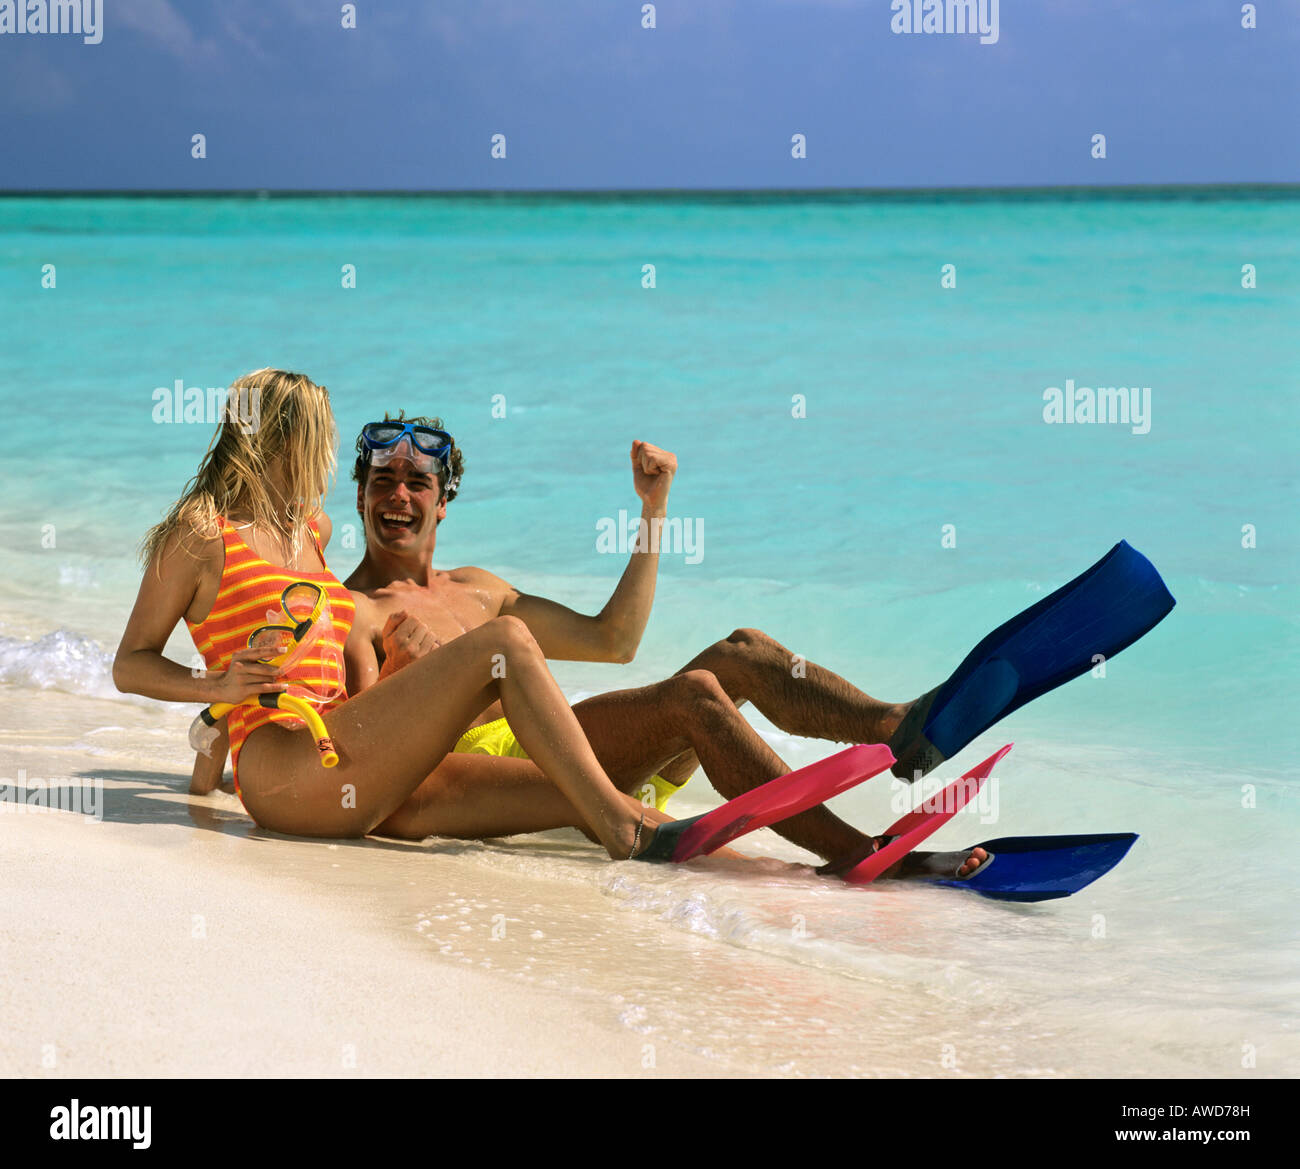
pixel 774 801
pixel 913 828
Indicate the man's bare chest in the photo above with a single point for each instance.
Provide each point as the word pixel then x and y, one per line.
pixel 448 610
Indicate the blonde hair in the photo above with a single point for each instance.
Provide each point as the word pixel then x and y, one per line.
pixel 271 418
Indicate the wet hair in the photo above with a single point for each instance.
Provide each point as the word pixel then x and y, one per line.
pixel 271 417
pixel 448 478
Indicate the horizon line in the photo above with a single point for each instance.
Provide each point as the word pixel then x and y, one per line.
pixel 1112 190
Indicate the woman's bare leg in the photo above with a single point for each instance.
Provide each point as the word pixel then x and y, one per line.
pixel 472 796
pixel 632 732
pixel 390 737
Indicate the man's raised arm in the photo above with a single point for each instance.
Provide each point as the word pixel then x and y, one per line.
pixel 615 633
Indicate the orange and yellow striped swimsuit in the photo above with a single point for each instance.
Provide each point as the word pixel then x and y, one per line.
pixel 249 597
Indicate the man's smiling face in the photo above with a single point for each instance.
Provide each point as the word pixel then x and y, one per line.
pixel 400 506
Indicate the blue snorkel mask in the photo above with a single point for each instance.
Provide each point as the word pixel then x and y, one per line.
pixel 427 450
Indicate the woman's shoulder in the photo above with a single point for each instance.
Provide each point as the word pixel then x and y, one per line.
pixel 185 564
pixel 201 546
pixel 199 540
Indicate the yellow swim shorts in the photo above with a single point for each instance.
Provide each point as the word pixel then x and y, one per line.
pixel 496 738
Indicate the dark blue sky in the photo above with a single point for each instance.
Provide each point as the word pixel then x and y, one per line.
pixel 710 98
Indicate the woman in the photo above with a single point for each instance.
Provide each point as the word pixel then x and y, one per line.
pixel 249 525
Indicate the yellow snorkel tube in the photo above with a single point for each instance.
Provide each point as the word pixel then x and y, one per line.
pixel 203 731
pixel 285 645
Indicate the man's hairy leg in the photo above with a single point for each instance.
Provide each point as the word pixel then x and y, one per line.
pixel 798 696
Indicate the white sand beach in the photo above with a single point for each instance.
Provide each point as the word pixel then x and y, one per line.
pixel 166 935
pixel 188 945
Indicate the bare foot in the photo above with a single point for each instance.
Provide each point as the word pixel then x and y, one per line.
pixel 938 864
pixel 913 865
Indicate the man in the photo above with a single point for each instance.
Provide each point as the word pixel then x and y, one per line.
pixel 409 471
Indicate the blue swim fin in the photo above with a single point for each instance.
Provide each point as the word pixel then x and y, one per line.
pixel 1109 607
pixel 1042 868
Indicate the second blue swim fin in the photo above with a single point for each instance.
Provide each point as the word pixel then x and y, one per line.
pixel 1042 868
pixel 1109 607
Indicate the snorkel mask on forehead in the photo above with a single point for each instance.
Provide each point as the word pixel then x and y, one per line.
pixel 426 449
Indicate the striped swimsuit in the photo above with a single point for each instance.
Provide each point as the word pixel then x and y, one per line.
pixel 249 597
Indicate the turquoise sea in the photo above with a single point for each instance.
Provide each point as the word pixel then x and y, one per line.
pixel 865 473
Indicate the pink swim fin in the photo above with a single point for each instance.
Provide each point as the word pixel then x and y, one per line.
pixel 913 828
pixel 774 801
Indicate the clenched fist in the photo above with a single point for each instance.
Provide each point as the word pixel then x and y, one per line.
pixel 653 469
pixel 406 640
